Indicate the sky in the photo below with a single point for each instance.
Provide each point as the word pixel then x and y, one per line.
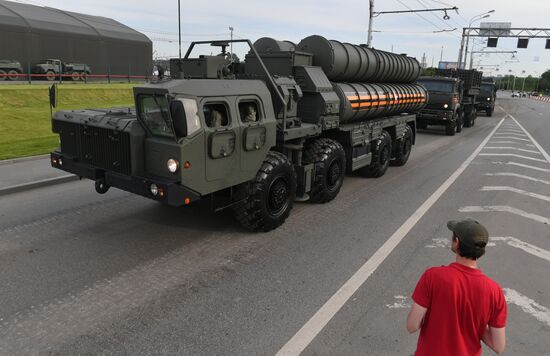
pixel 344 21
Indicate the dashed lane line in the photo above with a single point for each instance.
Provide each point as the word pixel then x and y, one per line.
pixel 322 317
pixel 522 176
pixel 528 305
pixel 504 209
pixel 515 190
pixel 528 166
pixel 512 148
pixel 513 155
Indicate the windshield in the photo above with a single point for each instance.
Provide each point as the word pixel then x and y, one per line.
pixel 154 113
pixel 435 85
pixel 486 89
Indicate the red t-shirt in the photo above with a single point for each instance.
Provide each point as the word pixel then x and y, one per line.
pixel 461 302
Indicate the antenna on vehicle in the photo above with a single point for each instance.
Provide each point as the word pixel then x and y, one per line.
pixel 52 91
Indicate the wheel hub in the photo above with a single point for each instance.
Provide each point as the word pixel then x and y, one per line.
pixel 334 174
pixel 278 196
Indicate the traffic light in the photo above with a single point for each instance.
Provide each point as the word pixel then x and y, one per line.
pixel 492 41
pixel 523 42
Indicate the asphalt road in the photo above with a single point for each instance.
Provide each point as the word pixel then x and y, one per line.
pixel 83 273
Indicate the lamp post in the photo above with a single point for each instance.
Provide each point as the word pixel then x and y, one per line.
pixel 179 40
pixel 523 85
pixel 472 20
pixel 231 48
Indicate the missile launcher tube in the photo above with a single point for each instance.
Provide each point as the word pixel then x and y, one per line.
pixel 363 101
pixel 345 62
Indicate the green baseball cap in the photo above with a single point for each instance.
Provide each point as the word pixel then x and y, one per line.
pixel 470 232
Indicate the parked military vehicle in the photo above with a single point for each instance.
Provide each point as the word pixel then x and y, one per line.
pixel 9 69
pixel 444 104
pixel 487 96
pixel 286 126
pixel 52 68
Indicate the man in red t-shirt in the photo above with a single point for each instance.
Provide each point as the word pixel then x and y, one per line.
pixel 457 306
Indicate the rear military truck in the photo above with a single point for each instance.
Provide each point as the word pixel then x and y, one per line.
pixel 10 69
pixel 444 104
pixel 487 96
pixel 283 126
pixel 52 69
pixel 471 82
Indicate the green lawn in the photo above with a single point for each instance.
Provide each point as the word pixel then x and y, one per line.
pixel 25 125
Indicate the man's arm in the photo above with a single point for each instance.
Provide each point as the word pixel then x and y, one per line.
pixel 495 338
pixel 415 318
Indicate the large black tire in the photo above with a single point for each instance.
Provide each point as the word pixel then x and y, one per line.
pixel 329 161
pixel 459 121
pixel 421 125
pixel 403 148
pixel 50 75
pixel 450 128
pixel 468 118
pixel 381 156
pixel 489 112
pixel 3 75
pixel 75 76
pixel 271 195
pixel 474 117
pixel 13 75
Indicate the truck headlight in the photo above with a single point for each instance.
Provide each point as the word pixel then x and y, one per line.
pixel 445 106
pixel 154 189
pixel 172 165
pixel 488 99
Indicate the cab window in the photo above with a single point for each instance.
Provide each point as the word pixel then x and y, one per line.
pixel 216 115
pixel 154 112
pixel 249 112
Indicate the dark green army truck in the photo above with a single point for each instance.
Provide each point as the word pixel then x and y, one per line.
pixel 444 104
pixel 487 96
pixel 285 125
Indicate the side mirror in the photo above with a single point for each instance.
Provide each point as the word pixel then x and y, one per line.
pixel 178 118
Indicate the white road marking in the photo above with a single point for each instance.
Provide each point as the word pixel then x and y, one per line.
pixel 528 166
pixel 510 174
pixel 513 155
pixel 401 302
pixel 321 318
pixel 528 305
pixel 512 138
pixel 539 147
pixel 531 146
pixel 509 240
pixel 510 134
pixel 504 209
pixel 511 148
pixel 527 247
pixel 512 142
pixel 515 190
pixel 518 131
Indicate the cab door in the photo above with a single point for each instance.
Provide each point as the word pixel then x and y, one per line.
pixel 222 142
pixel 253 134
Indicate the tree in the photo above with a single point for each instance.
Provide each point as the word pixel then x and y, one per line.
pixel 427 72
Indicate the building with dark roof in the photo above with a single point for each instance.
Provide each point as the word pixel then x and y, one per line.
pixel 30 34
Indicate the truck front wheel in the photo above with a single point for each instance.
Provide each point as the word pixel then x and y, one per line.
pixel 459 121
pixel 403 149
pixel 50 75
pixel 3 74
pixel 380 157
pixel 329 161
pixel 13 75
pixel 271 195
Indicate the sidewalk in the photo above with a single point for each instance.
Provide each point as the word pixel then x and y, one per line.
pixel 27 173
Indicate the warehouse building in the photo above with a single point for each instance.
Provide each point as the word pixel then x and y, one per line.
pixel 30 34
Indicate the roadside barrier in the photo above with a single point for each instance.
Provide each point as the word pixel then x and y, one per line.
pixel 546 99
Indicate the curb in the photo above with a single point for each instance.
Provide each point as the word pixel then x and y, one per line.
pixel 23 159
pixel 37 184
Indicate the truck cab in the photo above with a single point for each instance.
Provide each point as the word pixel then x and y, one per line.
pixel 443 107
pixel 487 97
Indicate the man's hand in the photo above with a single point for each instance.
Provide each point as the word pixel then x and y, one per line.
pixel 415 318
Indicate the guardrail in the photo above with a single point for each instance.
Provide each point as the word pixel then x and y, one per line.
pixel 82 77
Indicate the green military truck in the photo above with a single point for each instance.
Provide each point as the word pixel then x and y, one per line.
pixel 487 96
pixel 285 125
pixel 444 104
pixel 51 69
pixel 10 69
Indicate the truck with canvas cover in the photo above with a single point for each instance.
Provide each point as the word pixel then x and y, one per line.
pixel 283 126
pixel 487 96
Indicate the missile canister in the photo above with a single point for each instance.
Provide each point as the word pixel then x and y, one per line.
pixel 345 62
pixel 361 101
pixel 268 44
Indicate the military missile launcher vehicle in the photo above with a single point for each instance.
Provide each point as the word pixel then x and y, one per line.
pixel 284 125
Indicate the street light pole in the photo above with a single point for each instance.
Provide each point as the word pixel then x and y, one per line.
pixel 231 48
pixel 523 85
pixel 472 20
pixel 371 12
pixel 179 40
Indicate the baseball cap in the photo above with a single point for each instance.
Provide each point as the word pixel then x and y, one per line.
pixel 470 232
